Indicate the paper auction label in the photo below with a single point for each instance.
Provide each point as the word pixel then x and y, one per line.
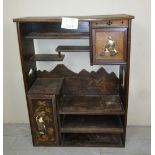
pixel 69 23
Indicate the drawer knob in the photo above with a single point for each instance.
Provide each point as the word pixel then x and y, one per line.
pixel 109 22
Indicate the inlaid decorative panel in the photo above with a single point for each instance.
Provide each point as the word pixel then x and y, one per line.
pixel 43 122
pixel 109 45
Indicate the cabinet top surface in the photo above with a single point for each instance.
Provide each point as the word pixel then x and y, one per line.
pixel 81 18
pixel 46 86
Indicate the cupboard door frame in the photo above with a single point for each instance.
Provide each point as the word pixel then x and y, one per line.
pixel 112 60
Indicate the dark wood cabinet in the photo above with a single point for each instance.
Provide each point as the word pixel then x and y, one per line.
pixel 77 109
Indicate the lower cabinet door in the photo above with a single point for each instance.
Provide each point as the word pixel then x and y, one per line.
pixel 42 112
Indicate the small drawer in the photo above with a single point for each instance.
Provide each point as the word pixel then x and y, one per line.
pixel 109 46
pixel 109 23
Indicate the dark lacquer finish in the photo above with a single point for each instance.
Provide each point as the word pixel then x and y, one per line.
pixel 77 109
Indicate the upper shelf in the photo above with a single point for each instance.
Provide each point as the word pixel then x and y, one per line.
pixel 73 49
pixel 47 57
pixel 59 35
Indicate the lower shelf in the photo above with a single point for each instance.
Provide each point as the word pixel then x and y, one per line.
pixel 91 124
pixel 92 140
pixel 90 105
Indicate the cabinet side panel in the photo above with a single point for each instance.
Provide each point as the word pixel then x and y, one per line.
pixel 26 48
pixel 126 83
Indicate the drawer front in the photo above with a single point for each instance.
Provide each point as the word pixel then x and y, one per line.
pixel 110 23
pixel 109 45
pixel 43 121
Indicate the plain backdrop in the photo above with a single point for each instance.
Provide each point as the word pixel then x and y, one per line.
pixel 15 109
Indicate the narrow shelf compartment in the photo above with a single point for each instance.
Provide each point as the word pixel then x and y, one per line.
pixel 92 140
pixel 47 57
pixel 90 105
pixel 73 49
pixel 58 35
pixel 91 124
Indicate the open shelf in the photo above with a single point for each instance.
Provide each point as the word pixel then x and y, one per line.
pixel 90 105
pixel 58 35
pixel 92 140
pixel 73 49
pixel 47 57
pixel 91 124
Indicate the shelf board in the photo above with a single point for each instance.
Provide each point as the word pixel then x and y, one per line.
pixel 92 140
pixel 47 57
pixel 90 105
pixel 58 35
pixel 91 124
pixel 73 49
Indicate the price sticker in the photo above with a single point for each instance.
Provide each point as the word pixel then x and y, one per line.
pixel 69 23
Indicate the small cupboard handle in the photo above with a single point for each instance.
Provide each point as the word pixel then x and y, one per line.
pixel 109 22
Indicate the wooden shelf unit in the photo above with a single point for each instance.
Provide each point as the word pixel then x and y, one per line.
pixel 77 109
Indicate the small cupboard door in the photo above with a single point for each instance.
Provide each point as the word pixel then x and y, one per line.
pixel 43 120
pixel 109 45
